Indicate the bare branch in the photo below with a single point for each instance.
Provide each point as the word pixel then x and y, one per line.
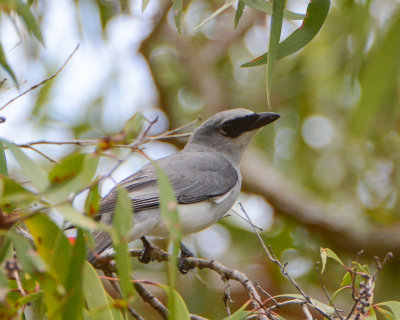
pixel 194 262
pixel 42 82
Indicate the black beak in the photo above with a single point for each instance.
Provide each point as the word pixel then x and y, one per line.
pixel 235 127
pixel 262 119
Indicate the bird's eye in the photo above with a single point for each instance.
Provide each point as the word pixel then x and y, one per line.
pixel 225 129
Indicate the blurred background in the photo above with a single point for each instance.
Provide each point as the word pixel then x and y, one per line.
pixel 327 174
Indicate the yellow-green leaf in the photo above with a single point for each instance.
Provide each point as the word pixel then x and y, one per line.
pixel 122 224
pixel 98 302
pixel 176 305
pixel 31 169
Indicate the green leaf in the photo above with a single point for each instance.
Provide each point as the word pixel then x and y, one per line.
pixel 274 36
pixel 107 10
pixel 74 304
pixel 97 300
pixel 394 306
pixel 240 313
pixel 239 11
pixel 13 195
pixel 177 309
pixel 92 202
pixel 133 126
pixel 144 4
pixel 76 218
pixel 170 216
pixel 74 173
pixel 336 293
pixel 25 13
pixel 328 253
pixel 3 279
pixel 27 257
pixel 67 169
pixel 5 249
pixel 34 172
pixel 225 6
pixel 6 66
pixel 317 12
pixel 177 6
pixel 378 80
pixel 370 315
pixel 3 160
pixel 266 7
pixel 30 298
pixel 55 249
pixel 52 245
pixel 386 314
pixel 122 223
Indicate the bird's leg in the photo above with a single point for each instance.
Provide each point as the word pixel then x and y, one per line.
pixel 147 249
pixel 185 253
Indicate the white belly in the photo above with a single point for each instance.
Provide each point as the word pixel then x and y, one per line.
pixel 193 217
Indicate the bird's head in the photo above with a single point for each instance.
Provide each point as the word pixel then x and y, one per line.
pixel 229 132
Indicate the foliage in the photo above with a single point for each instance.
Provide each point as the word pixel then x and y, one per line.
pixel 342 87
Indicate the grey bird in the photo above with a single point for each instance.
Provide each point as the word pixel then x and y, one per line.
pixel 205 177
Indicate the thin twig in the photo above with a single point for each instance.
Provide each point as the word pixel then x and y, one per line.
pixel 194 262
pixel 39 152
pixel 329 298
pixel 273 258
pixel 243 218
pixel 42 82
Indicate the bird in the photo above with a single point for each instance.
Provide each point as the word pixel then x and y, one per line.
pixel 204 175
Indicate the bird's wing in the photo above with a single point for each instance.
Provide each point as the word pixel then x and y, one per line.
pixel 194 176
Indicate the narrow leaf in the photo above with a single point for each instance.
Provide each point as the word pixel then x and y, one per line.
pixel 6 66
pixel 3 160
pixel 330 254
pixel 177 6
pixel 266 7
pixel 239 11
pixel 324 256
pixel 74 304
pixel 170 216
pixel 144 4
pixel 317 12
pixel 92 202
pixel 274 37
pixel 76 218
pixel 240 314
pixel 52 245
pixel 122 223
pixel 97 300
pixel 394 306
pixel 28 258
pixel 72 176
pixel 225 6
pixel 178 310
pixel 378 79
pixel 33 171
pixel 25 13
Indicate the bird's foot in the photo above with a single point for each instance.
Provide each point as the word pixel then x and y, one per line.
pixel 183 266
pixel 147 253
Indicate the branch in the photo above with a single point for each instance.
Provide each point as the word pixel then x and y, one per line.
pixel 43 81
pixel 296 203
pixel 193 262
